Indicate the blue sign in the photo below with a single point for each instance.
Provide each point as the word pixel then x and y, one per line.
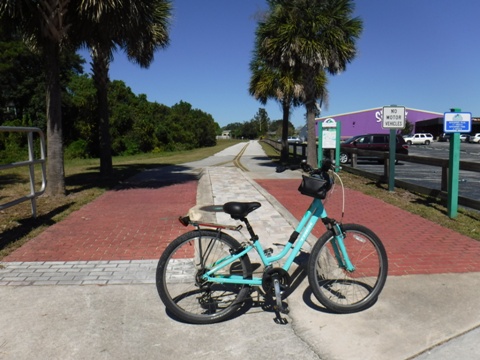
pixel 460 122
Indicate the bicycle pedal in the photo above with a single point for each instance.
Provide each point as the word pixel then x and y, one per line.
pixel 280 320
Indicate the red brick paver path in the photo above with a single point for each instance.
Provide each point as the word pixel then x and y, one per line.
pixel 414 245
pixel 137 224
pixel 132 224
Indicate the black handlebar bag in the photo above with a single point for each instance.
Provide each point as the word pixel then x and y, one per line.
pixel 313 186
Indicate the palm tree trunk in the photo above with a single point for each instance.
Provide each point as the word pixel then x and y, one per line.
pixel 310 107
pixel 100 66
pixel 55 161
pixel 311 134
pixel 285 148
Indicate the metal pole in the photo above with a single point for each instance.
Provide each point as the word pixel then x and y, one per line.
pixel 320 144
pixel 337 146
pixel 453 175
pixel 391 164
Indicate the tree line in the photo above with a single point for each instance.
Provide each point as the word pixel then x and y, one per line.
pixel 136 124
pixel 297 44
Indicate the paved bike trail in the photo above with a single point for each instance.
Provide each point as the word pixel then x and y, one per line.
pixel 430 296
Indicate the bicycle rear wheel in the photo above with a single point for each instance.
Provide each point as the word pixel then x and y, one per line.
pixel 345 291
pixel 179 277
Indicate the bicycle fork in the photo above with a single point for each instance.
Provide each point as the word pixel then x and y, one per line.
pixel 339 248
pixel 316 211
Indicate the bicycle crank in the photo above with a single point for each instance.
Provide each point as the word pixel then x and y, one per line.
pixel 275 282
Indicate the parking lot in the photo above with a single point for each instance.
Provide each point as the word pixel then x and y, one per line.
pixel 430 176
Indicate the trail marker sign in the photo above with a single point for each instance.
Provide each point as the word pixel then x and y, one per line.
pixel 457 122
pixel 329 134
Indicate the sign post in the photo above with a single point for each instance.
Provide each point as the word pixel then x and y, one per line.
pixel 393 118
pixel 454 123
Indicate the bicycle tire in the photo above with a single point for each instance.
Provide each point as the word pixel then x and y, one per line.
pixel 342 291
pixel 178 277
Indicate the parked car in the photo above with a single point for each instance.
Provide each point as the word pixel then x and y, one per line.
pixel 294 140
pixel 420 138
pixel 444 137
pixel 373 142
pixel 475 138
pixel 463 137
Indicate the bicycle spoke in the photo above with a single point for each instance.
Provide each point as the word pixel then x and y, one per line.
pixel 346 291
pixel 180 280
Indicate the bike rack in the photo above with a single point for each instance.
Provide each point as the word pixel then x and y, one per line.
pixel 30 163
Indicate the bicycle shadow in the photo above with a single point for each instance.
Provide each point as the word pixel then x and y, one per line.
pixel 300 274
pixel 261 299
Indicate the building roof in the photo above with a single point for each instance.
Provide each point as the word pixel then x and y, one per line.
pixel 377 108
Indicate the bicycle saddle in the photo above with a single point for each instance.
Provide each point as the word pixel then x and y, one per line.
pixel 240 210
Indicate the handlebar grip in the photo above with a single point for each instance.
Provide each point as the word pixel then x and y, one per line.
pixel 326 165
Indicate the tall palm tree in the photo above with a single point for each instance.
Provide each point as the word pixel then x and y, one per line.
pixel 311 37
pixel 137 27
pixel 44 25
pixel 268 83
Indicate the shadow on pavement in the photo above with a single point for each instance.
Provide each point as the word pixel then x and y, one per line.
pixel 160 177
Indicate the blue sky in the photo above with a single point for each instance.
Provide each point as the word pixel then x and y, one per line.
pixel 420 54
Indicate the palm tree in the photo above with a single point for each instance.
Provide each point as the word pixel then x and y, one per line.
pixel 44 25
pixel 138 27
pixel 309 37
pixel 268 83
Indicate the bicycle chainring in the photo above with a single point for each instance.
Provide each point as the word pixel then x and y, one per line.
pixel 275 273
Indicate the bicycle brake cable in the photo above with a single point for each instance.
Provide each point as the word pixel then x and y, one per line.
pixel 343 193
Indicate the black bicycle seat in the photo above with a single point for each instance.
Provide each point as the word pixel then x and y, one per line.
pixel 240 210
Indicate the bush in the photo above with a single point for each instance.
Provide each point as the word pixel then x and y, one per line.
pixel 13 154
pixel 77 150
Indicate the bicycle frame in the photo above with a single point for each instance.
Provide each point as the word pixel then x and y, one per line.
pixel 315 211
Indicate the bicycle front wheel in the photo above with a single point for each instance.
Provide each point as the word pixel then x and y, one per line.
pixel 179 277
pixel 335 287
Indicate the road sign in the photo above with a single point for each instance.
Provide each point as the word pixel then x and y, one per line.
pixel 393 117
pixel 460 122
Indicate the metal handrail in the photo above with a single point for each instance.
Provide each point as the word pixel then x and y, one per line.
pixel 31 162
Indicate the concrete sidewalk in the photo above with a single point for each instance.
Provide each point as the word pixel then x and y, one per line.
pixel 112 245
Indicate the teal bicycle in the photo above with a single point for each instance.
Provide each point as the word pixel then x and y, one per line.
pixel 205 275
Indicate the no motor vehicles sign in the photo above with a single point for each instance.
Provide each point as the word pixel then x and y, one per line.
pixel 393 117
